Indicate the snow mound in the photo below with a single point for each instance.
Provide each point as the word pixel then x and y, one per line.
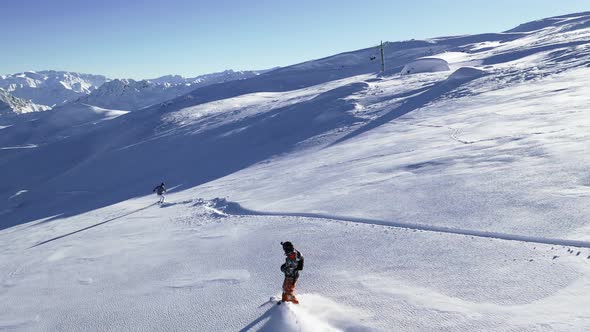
pixel 223 206
pixel 425 65
pixel 466 73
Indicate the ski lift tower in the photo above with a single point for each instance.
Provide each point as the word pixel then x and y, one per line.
pixel 382 57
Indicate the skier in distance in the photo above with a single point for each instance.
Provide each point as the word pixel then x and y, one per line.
pixel 160 190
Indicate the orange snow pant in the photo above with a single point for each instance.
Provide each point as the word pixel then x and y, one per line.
pixel 288 289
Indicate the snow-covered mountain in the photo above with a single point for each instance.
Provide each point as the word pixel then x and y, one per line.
pixel 50 87
pixel 56 88
pixel 11 105
pixel 453 197
pixel 208 79
pixel 132 95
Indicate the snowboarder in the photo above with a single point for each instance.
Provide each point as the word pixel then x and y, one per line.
pixel 160 190
pixel 293 264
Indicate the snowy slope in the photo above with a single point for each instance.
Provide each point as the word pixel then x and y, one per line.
pixel 436 201
pixel 45 128
pixel 184 266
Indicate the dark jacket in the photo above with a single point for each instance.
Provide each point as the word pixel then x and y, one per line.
pixel 160 190
pixel 293 264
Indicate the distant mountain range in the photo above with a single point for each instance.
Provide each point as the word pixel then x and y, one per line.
pixel 130 95
pixel 11 105
pixel 50 88
pixel 39 91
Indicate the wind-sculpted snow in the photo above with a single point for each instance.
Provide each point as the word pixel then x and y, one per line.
pixel 461 76
pixel 465 74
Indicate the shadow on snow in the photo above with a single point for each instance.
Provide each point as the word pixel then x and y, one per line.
pixel 96 171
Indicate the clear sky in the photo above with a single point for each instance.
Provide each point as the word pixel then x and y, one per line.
pixel 150 38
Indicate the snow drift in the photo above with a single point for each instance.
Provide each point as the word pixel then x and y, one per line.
pixel 425 65
pixel 466 73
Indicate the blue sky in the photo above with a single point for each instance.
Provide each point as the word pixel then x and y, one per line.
pixel 150 38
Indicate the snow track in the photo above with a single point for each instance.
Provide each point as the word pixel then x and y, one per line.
pixel 236 209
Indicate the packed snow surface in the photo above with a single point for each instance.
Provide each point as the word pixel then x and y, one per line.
pixel 452 200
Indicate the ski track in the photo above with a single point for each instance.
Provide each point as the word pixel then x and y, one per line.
pixel 237 209
pixel 27 146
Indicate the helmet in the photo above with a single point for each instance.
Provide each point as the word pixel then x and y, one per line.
pixel 162 184
pixel 287 246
